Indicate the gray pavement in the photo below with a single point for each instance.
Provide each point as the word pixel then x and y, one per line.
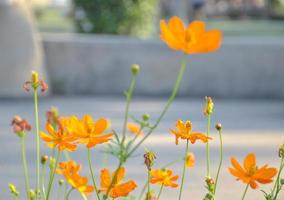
pixel 249 126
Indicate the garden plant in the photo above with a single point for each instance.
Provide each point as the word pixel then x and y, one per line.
pixel 63 134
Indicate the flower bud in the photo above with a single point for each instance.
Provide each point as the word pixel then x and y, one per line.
pixel 13 189
pixel 52 162
pixel 210 184
pixel 149 158
pixel 146 117
pixel 282 181
pixel 135 69
pixel 34 78
pixel 61 182
pixel 44 159
pixel 32 194
pixel 209 106
pixel 218 127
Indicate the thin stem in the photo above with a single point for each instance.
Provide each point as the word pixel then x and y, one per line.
pixel 171 163
pixel 183 171
pixel 59 192
pixel 92 174
pixel 208 173
pixel 220 162
pixel 128 101
pixel 245 192
pixel 37 143
pixel 65 190
pixel 148 186
pixel 66 155
pixel 27 185
pixel 15 197
pixel 169 102
pixel 52 176
pixel 42 180
pixel 68 194
pixel 277 182
pixel 84 196
pixel 160 192
pixel 143 190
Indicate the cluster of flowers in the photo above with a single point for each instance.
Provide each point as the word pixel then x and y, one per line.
pixel 64 134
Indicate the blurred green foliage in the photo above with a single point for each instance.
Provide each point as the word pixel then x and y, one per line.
pixel 131 17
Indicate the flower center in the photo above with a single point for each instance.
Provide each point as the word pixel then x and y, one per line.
pixel 252 170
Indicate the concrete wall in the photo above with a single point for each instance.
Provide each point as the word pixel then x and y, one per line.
pixel 245 67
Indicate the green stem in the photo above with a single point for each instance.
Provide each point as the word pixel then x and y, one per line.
pixel 65 189
pixel 277 182
pixel 171 163
pixel 52 176
pixel 183 171
pixel 143 190
pixel 66 155
pixel 59 192
pixel 245 192
pixel 27 185
pixel 68 194
pixel 208 173
pixel 37 142
pixel 128 101
pixel 92 174
pixel 42 181
pixel 220 162
pixel 148 186
pixel 84 196
pixel 169 102
pixel 15 197
pixel 160 192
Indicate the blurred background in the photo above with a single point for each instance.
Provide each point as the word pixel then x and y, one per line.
pixel 84 50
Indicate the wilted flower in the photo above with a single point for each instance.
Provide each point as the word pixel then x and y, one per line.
pixel 149 158
pixel 251 173
pixel 193 39
pixel 35 82
pixel 164 177
pixel 184 131
pixel 20 125
pixel 118 189
pixel 44 159
pixel 52 116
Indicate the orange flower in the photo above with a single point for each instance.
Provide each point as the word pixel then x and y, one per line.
pixel 193 39
pixel 61 138
pixel 89 132
pixel 134 128
pixel 250 173
pixel 184 131
pixel 163 177
pixel 118 189
pixel 190 160
pixel 70 170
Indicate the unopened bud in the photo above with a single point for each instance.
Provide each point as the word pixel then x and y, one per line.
pixel 44 159
pixel 34 79
pixel 218 127
pixel 149 158
pixel 146 117
pixel 209 106
pixel 61 182
pixel 210 184
pixel 52 162
pixel 282 181
pixel 32 194
pixel 13 189
pixel 135 69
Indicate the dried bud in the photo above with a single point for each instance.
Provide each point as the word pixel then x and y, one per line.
pixel 210 184
pixel 281 151
pixel 209 106
pixel 13 189
pixel 35 82
pixel 149 158
pixel 146 117
pixel 43 85
pixel 32 194
pixel 52 116
pixel 135 69
pixel 218 127
pixel 44 159
pixel 20 125
pixel 61 182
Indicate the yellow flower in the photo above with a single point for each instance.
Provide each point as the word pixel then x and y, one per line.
pixel 184 131
pixel 192 39
pixel 209 106
pixel 190 160
pixel 70 171
pixel 118 189
pixel 134 128
pixel 163 177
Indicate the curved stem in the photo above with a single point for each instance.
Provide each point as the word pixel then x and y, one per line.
pixel 245 192
pixel 169 102
pixel 59 192
pixel 68 194
pixel 128 101
pixel 37 143
pixel 183 171
pixel 220 162
pixel 27 185
pixel 92 174
pixel 208 173
pixel 276 184
pixel 84 196
pixel 160 192
pixel 42 181
pixel 52 176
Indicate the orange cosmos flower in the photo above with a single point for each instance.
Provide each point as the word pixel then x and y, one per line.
pixel 61 138
pixel 134 128
pixel 190 160
pixel 193 39
pixel 87 131
pixel 251 173
pixel 184 131
pixel 163 177
pixel 118 189
pixel 70 170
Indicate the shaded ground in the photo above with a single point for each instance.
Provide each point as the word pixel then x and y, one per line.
pixel 249 126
